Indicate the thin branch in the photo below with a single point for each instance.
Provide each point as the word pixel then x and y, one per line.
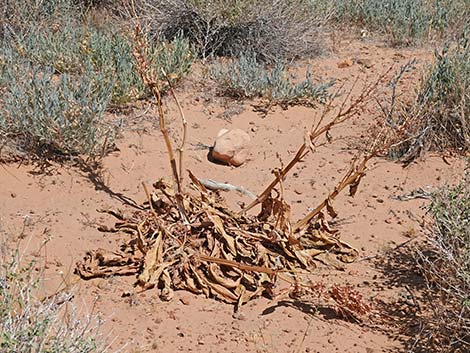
pixel 150 78
pixel 352 178
pixel 342 115
pixel 180 149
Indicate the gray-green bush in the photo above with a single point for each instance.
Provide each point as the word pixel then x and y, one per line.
pixel 247 78
pixel 63 114
pixel 19 16
pixel 405 22
pixel 75 49
pixel 445 263
pixel 30 325
pixel 58 75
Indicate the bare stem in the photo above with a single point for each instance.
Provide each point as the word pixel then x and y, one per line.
pixel 180 148
pixel 346 111
pixel 151 80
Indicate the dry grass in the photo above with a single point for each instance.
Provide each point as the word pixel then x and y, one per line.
pixel 445 264
pixel 438 116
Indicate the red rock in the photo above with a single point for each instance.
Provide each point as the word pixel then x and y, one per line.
pixel 231 147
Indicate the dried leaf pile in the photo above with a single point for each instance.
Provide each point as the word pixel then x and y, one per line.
pixel 188 240
pixel 220 254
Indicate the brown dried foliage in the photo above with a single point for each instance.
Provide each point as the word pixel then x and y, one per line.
pixel 192 241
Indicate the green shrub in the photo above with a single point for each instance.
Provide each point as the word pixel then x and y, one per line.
pixel 57 83
pixel 60 114
pixel 439 118
pixel 49 326
pixel 248 78
pixel 405 22
pixel 270 28
pixel 75 49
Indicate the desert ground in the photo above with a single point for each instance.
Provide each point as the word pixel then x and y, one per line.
pixel 51 211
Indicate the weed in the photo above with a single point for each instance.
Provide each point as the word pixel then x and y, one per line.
pixel 405 22
pixel 28 324
pixel 445 265
pixel 439 117
pixel 20 16
pixel 248 78
pixel 57 85
pixel 75 49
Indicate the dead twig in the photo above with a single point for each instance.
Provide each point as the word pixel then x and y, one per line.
pixel 344 112
pixel 180 149
pixel 151 80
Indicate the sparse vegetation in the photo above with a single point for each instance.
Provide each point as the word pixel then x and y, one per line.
pixel 445 263
pixel 439 117
pixel 248 78
pixel 64 75
pixel 405 22
pixel 58 79
pixel 62 114
pixel 79 49
pixel 28 324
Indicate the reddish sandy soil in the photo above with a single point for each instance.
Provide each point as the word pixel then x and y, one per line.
pixel 60 204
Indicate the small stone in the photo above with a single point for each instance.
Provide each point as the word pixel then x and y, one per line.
pixel 13 195
pixel 367 63
pixel 231 147
pixel 345 63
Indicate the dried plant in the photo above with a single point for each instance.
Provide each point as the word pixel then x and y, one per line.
pixel 445 264
pixel 437 117
pixel 272 29
pixel 192 241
